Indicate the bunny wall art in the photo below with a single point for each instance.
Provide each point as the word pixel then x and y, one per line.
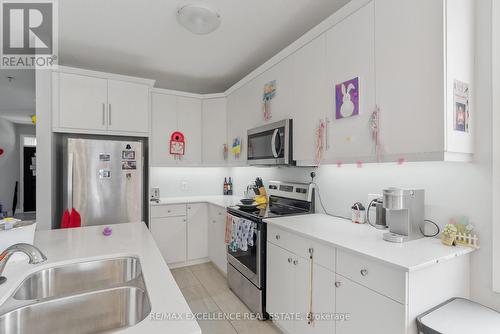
pixel 347 99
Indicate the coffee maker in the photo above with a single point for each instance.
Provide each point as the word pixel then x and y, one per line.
pixel 404 214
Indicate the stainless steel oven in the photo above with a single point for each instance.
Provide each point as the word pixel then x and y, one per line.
pixel 271 144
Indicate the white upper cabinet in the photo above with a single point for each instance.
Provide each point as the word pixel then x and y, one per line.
pixel 310 98
pixel 82 101
pixel 100 103
pixel 350 54
pixel 236 127
pixel 416 65
pixel 163 124
pixel 126 104
pixel 171 113
pixel 214 122
pixel 189 123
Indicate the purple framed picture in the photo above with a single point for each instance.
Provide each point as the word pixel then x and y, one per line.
pixel 347 99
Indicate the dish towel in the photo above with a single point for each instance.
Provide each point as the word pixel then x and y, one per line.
pixel 235 226
pixel 246 232
pixel 229 228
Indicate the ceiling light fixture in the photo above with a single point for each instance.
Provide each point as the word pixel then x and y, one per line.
pixel 198 19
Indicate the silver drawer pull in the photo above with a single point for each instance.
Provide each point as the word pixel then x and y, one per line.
pixel 338 284
pixel 289 260
pixel 278 237
pixel 295 262
pixel 364 272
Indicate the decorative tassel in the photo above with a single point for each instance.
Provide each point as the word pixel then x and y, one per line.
pixel 320 134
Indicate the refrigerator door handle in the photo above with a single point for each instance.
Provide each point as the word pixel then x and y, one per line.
pixel 70 181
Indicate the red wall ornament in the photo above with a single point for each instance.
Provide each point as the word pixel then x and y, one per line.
pixel 177 143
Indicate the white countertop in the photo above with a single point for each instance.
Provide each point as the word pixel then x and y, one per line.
pixel 366 240
pixel 222 201
pixel 88 243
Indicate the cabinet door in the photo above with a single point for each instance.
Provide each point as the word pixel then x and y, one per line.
pixel 347 59
pixel 310 98
pixel 323 297
pixel 164 122
pixel 214 131
pixel 409 53
pixel 236 127
pixel 280 293
pixel 216 233
pixel 369 312
pixel 189 122
pixel 170 236
pixel 82 102
pixel 128 106
pixel 197 231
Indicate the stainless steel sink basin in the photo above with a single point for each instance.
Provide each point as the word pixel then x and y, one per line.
pixel 80 298
pixel 77 277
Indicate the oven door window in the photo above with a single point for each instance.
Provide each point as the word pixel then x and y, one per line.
pixel 267 145
pixel 247 257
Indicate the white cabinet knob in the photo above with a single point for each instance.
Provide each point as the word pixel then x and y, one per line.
pixel 338 284
pixel 364 272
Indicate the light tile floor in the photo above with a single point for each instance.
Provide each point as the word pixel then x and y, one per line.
pixel 206 291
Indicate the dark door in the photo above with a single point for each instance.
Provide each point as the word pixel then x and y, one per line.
pixel 29 188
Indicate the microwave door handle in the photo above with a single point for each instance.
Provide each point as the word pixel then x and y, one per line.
pixel 273 143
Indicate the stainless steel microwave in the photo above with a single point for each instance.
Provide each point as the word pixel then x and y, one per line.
pixel 271 144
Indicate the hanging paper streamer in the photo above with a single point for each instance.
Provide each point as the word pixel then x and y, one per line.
pixel 374 122
pixel 320 135
pixel 236 147
pixel 269 94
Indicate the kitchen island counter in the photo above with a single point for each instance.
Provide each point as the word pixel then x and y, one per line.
pixel 133 239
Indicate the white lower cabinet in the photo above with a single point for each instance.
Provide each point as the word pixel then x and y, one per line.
pixel 170 236
pixel 367 310
pixel 352 292
pixel 292 295
pixel 216 233
pixel 197 231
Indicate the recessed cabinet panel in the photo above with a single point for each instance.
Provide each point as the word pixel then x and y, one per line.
pixel 170 236
pixel 368 311
pixel 214 121
pixel 82 102
pixel 410 60
pixel 164 122
pixel 197 231
pixel 347 59
pixel 189 123
pixel 128 106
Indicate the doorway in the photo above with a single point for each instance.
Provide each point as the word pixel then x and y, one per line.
pixel 28 174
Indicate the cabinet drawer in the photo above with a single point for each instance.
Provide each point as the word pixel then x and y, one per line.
pixel 174 210
pixel 384 279
pixel 322 254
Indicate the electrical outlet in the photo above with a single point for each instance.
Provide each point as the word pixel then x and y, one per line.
pixel 185 185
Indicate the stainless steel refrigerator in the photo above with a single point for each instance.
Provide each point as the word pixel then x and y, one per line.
pixel 103 180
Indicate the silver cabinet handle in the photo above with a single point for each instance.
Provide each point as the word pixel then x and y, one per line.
pixel 184 220
pixel 189 208
pixel 295 262
pixel 277 237
pixel 109 114
pixel 338 284
pixel 220 213
pixel 169 211
pixel 364 272
pixel 103 114
pixel 289 260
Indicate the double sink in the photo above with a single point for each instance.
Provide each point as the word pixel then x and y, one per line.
pixel 79 298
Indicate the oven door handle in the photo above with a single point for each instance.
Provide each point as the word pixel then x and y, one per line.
pixel 273 143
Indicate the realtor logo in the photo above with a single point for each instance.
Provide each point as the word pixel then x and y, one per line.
pixel 29 34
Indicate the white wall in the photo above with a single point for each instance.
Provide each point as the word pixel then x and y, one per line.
pixel 200 181
pixel 9 163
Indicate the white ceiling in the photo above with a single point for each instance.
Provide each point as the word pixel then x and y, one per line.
pixel 17 98
pixel 143 38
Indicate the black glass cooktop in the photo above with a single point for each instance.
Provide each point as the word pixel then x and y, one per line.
pixel 277 207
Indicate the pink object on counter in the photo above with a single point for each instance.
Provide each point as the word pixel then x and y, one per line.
pixel 107 231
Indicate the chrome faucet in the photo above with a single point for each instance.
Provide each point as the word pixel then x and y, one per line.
pixel 34 254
